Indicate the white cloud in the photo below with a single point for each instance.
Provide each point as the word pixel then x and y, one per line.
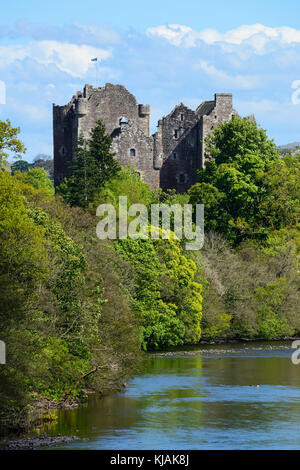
pixel 70 58
pixel 176 34
pixel 256 36
pixel 237 81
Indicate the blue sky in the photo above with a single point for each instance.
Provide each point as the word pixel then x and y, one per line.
pixel 165 52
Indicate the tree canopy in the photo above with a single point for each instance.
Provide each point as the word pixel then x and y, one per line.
pixel 233 185
pixel 92 166
pixel 9 142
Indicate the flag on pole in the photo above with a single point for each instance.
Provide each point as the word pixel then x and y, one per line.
pixel 96 67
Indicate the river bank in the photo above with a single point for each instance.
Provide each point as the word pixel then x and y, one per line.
pixel 16 427
pixel 242 396
pixel 208 377
pixel 29 443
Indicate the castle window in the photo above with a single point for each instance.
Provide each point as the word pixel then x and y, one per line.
pixel 181 117
pixel 176 133
pixel 62 151
pixel 181 178
pixel 132 152
pixel 123 123
pixel 174 156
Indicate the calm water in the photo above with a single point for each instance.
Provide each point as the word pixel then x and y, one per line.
pixel 237 397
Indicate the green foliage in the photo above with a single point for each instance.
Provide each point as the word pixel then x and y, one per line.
pixel 9 142
pixel 20 165
pixel 207 194
pixel 41 161
pixel 92 166
pixel 126 183
pixel 22 253
pixel 280 205
pixel 231 186
pixel 271 324
pixel 37 178
pixel 250 292
pixel 283 242
pixel 114 345
pixel 71 303
pixel 166 296
pixel 63 311
pixel 242 143
pixel 251 197
pixel 46 162
pixel 67 283
pixel 171 197
pixel 217 327
pixel 23 266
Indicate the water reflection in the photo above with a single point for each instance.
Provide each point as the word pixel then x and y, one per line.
pixel 237 398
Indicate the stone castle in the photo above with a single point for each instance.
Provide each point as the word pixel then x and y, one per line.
pixel 167 159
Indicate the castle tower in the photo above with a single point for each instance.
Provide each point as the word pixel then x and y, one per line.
pixel 211 114
pixel 114 105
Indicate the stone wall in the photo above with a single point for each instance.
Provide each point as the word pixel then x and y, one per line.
pixel 133 148
pixel 180 149
pixel 110 104
pixel 212 114
pixel 64 139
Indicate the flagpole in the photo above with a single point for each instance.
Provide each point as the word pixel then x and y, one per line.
pixel 96 69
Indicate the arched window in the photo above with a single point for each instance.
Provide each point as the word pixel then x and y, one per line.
pixel 132 152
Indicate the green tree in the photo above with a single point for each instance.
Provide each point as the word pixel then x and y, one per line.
pixel 280 205
pixel 23 266
pixel 166 295
pixel 242 143
pixel 92 166
pixel 20 165
pixel 271 324
pixel 231 186
pixel 37 178
pixel 126 183
pixel 46 162
pixel 9 142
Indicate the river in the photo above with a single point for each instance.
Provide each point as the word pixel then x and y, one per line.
pixel 242 396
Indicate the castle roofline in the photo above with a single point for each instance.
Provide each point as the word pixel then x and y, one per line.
pixel 205 107
pixel 181 105
pixel 223 94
